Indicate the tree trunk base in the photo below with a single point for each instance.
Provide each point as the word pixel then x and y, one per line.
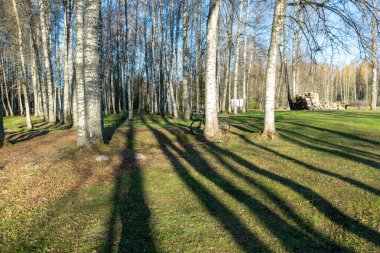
pixel 214 138
pixel 269 134
pixel 5 143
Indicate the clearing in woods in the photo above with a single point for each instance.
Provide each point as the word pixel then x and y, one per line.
pixel 315 189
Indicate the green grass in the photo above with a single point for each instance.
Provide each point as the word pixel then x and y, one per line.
pixel 17 124
pixel 315 189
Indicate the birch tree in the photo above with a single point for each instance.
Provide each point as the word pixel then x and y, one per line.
pixel 374 59
pixel 211 127
pixel 80 84
pixel 171 89
pixel 245 57
pixel 93 107
pixel 48 91
pixel 185 92
pixel 141 58
pixel 237 58
pixel 68 63
pixel 270 79
pixel 29 123
pixel 295 51
pixel 90 115
pixel 227 83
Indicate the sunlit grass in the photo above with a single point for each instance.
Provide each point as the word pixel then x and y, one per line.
pixel 315 189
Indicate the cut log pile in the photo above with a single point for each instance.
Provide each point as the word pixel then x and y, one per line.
pixel 310 101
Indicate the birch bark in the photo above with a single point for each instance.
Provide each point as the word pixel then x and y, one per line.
pixel 49 101
pixel 226 88
pixel 245 57
pixel 29 123
pixel 237 58
pixel 270 80
pixel 374 61
pixel 211 127
pixel 79 70
pixel 93 96
pixel 185 92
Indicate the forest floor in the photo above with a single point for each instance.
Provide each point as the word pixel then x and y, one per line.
pixel 314 189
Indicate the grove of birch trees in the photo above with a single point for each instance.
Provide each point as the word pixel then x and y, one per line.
pixel 74 61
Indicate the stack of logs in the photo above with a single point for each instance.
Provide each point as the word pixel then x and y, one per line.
pixel 310 101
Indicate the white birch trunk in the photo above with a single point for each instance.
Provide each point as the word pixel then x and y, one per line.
pixel 6 91
pixel 185 84
pixel 2 99
pixel 374 62
pixel 34 78
pixel 29 123
pixel 74 102
pixel 153 82
pixel 171 89
pixel 227 83
pixel 211 127
pixel 253 54
pixel 45 20
pixel 93 96
pixel 42 83
pixel 237 58
pixel 270 80
pixel 294 53
pixel 124 67
pixel 198 55
pixel 245 57
pixel 67 49
pixel 80 84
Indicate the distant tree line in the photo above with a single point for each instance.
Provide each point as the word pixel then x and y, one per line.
pixel 75 61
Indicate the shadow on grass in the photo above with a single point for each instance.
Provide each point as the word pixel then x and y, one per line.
pixel 330 144
pixel 221 213
pixel 25 136
pixel 40 130
pixel 298 238
pixel 348 114
pixel 311 167
pixel 305 141
pixel 109 131
pixel 130 212
pixel 346 153
pixel 323 205
pixel 343 134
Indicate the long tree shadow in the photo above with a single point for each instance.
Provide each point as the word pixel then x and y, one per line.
pixel 26 136
pixel 313 168
pixel 323 205
pixel 292 237
pixel 346 135
pixel 304 143
pixel 225 217
pixel 109 131
pixel 295 241
pixel 40 130
pixel 368 155
pixel 129 206
pixel 347 114
pixel 309 138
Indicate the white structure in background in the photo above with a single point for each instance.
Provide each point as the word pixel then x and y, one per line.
pixel 239 102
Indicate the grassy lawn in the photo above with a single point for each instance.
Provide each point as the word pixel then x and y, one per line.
pixel 315 189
